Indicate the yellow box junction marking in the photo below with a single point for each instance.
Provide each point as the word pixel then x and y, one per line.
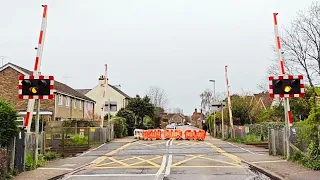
pixel 233 157
pixel 152 145
pixel 132 165
pixel 102 158
pixel 178 164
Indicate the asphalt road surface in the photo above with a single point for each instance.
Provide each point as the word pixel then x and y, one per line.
pixel 170 160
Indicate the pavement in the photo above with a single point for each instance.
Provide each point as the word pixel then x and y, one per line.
pixel 128 159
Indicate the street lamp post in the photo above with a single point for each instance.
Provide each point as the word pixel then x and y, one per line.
pixel 214 112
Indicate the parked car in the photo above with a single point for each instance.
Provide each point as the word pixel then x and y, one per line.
pixel 171 127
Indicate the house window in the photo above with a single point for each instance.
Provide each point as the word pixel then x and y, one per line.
pixel 75 104
pixel 60 99
pixel 113 106
pixel 68 101
pixel 80 104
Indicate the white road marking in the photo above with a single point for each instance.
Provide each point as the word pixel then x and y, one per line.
pixel 163 163
pixel 114 175
pixel 63 169
pixel 91 150
pixel 242 148
pixel 167 172
pixel 257 162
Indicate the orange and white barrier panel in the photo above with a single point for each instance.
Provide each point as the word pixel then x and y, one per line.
pixel 158 134
pixel 195 134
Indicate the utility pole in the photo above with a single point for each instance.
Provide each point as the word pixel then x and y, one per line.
pixel 229 102
pixel 214 112
pixel 287 111
pixel 222 123
pixel 37 130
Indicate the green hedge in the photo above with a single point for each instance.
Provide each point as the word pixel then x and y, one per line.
pixel 262 128
pixel 120 126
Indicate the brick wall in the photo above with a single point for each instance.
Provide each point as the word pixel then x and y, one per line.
pixel 9 91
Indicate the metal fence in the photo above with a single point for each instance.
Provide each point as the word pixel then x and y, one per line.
pixel 73 140
pixel 278 143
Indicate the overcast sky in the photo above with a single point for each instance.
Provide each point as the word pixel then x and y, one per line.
pixel 175 44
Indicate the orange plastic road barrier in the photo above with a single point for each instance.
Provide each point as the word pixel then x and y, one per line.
pixel 158 134
pixel 201 135
pixel 145 135
pixel 152 134
pixel 178 134
pixel 167 134
pixel 188 134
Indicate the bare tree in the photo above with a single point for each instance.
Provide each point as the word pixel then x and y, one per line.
pixel 206 100
pixel 178 110
pixel 300 47
pixel 158 96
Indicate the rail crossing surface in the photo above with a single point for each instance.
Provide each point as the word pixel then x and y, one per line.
pixel 166 159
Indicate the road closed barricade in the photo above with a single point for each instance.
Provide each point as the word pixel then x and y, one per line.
pixel 198 134
pixel 189 135
pixel 152 134
pixel 173 134
pixel 137 133
pixel 201 135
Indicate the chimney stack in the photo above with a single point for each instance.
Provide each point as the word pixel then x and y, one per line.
pixel 101 80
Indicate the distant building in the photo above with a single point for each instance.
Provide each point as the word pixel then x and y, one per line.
pixel 114 97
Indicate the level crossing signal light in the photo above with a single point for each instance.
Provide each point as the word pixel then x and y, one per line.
pixel 286 86
pixel 32 87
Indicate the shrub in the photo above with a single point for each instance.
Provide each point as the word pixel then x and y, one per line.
pixel 8 123
pixel 262 128
pixel 120 126
pixel 79 140
pixel 49 156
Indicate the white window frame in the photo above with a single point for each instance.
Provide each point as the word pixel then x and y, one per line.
pixel 60 99
pixel 67 101
pixel 75 104
pixel 80 104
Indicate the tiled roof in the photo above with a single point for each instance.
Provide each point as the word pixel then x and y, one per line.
pixel 85 91
pixel 57 85
pixel 121 92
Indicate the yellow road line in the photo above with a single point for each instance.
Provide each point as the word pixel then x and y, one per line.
pixel 233 157
pixel 123 167
pixel 102 158
pixel 217 160
pixel 158 157
pixel 122 160
pixel 186 160
pixel 148 161
pixel 119 162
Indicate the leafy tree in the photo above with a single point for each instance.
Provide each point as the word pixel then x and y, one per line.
pixel 157 117
pixel 128 115
pixel 8 124
pixel 141 107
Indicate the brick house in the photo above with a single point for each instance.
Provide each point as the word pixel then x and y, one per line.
pixel 68 103
pixel 196 117
pixel 173 117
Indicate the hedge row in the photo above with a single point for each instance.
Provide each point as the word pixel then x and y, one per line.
pixel 262 128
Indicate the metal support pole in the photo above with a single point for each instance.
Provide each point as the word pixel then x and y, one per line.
pixel 222 123
pixel 37 131
pixel 286 104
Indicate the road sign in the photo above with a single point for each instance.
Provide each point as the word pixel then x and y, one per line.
pixel 286 86
pixel 32 87
pixel 218 105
